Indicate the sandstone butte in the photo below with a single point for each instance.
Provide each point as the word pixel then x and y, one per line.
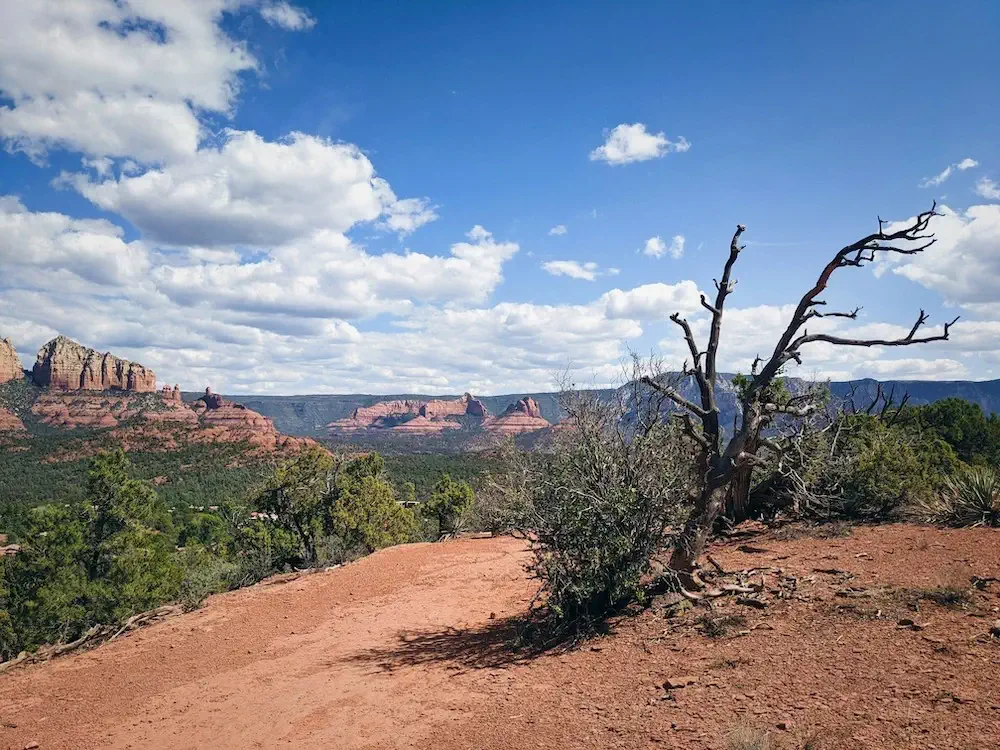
pixel 10 363
pixel 64 365
pixel 522 416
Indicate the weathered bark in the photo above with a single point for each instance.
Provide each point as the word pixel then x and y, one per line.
pixel 694 537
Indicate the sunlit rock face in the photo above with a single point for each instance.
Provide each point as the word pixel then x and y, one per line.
pixel 64 365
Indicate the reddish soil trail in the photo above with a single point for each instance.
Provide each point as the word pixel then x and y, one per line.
pixel 406 649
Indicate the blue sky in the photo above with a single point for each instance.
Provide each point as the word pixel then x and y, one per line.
pixel 266 197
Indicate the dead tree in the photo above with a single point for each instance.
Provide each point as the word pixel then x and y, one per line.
pixel 721 461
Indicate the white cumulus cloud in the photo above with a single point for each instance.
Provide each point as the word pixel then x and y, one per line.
pixel 250 191
pixel 118 78
pixel 557 230
pixel 627 143
pixel 588 271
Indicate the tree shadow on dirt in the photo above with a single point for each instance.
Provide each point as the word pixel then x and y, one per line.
pixel 497 644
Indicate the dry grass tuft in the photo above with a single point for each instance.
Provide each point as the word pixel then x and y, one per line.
pixel 746 737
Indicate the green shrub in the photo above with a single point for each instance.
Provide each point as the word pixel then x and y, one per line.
pixel 861 469
pixel 448 502
pixel 603 504
pixel 366 515
pixel 204 574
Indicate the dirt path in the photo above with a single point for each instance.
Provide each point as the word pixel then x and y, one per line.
pixel 276 666
pixel 405 649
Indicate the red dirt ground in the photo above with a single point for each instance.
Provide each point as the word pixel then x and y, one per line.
pixel 405 649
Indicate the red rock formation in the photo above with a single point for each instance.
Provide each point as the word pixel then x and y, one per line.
pixel 211 400
pixel 64 365
pixel 150 424
pixel 523 416
pixel 10 363
pixel 171 394
pixel 383 414
pixel 82 410
pixel 366 416
pixel 440 408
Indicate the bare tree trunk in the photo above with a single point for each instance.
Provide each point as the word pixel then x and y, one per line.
pixel 694 538
pixel 738 494
pixel 727 473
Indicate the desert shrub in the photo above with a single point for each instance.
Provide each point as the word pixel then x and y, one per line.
pixel 969 498
pixel 297 496
pixel 603 504
pixel 860 468
pixel 974 437
pixel 316 510
pixel 449 501
pixel 204 574
pixel 263 548
pixel 503 501
pixel 208 530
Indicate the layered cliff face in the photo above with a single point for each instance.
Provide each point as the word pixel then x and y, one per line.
pixel 10 363
pixel 64 365
pixel 228 422
pixel 522 416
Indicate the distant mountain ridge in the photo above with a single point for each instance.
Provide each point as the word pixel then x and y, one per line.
pixel 309 414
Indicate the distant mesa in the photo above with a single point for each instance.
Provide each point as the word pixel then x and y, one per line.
pixel 64 365
pixel 10 363
pixel 522 416
pixel 412 416
pixel 438 409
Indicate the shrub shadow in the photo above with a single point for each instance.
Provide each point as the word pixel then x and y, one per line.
pixel 497 644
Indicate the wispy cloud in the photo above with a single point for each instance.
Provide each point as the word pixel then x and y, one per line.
pixel 944 174
pixel 588 271
pixel 558 230
pixel 988 189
